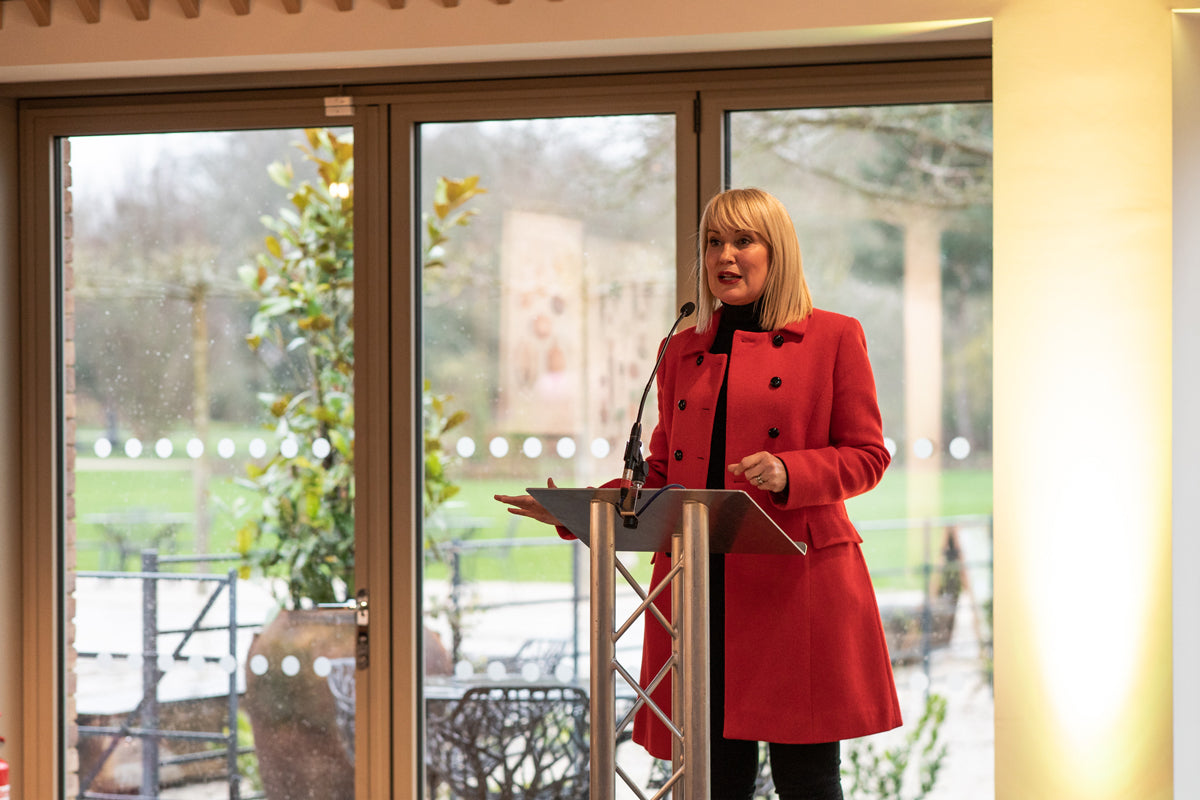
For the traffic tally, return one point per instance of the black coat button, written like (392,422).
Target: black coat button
(699,360)
(773,433)
(776,382)
(679,455)
(777,340)
(682,404)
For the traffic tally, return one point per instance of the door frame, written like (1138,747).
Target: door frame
(388,510)
(43,438)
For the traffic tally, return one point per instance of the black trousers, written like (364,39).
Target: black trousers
(800,771)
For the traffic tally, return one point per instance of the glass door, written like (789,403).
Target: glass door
(548,281)
(893,209)
(207,344)
(191,298)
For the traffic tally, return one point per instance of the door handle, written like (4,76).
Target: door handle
(361,605)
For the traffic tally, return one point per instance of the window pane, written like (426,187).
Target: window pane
(209,466)
(892,205)
(543,308)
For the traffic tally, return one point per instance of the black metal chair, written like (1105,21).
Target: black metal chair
(541,653)
(511,742)
(341,681)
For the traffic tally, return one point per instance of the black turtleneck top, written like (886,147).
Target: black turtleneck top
(733,318)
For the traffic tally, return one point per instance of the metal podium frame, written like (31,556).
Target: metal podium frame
(688,523)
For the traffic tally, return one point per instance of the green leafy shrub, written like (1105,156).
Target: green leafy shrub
(876,775)
(303,528)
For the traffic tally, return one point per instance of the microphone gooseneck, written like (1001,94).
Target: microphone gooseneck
(634,473)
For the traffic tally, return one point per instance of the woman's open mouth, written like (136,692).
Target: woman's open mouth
(728,277)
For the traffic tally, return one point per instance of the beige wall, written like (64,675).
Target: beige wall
(1082,382)
(1083,306)
(1185,546)
(424,31)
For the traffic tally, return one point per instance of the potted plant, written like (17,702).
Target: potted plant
(301,529)
(300,532)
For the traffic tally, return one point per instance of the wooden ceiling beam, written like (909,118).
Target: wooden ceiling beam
(191,8)
(90,9)
(291,6)
(40,10)
(140,9)
(240,7)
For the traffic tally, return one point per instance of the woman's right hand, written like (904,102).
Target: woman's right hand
(524,505)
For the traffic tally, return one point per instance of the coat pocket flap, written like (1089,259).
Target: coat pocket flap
(829,525)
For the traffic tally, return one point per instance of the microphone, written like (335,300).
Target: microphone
(634,474)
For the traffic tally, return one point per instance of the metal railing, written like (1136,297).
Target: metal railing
(943,554)
(143,722)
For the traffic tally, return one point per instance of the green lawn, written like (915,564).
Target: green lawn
(165,490)
(154,498)
(962,492)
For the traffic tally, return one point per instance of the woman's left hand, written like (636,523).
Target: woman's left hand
(525,506)
(763,471)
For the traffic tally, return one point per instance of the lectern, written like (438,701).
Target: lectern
(690,524)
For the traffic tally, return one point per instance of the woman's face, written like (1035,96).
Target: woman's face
(736,264)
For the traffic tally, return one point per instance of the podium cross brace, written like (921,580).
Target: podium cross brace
(690,689)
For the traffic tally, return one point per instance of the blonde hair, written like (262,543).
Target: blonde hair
(785,298)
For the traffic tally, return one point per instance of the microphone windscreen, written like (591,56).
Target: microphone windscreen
(687,309)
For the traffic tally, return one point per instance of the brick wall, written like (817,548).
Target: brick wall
(71,784)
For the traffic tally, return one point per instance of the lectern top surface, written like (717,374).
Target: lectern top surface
(736,523)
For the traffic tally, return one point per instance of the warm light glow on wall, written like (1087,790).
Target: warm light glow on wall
(1083,401)
(1097,566)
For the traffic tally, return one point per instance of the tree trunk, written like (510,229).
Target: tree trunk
(923,359)
(201,464)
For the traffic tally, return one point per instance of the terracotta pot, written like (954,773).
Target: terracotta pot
(301,750)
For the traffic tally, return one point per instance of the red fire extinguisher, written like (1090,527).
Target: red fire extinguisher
(3,776)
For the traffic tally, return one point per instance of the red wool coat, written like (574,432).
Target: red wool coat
(806,658)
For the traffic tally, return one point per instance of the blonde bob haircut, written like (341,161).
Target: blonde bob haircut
(785,298)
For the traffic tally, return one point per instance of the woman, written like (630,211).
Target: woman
(770,395)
